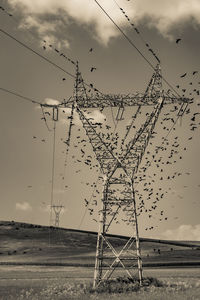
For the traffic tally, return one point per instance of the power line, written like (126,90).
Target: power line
(53,162)
(89,85)
(133,45)
(137,31)
(52,179)
(38,54)
(124,34)
(29,31)
(18,95)
(46,59)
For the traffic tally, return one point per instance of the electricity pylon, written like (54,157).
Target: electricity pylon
(119,170)
(57,210)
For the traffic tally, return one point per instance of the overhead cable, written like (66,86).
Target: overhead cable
(133,45)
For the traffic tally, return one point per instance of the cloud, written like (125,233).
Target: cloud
(184,232)
(167,14)
(51,101)
(163,15)
(95,116)
(24,206)
(45,208)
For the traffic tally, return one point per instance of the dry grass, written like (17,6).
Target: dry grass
(155,290)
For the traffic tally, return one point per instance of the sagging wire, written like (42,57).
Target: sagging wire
(134,46)
(67,142)
(20,96)
(138,32)
(30,32)
(52,179)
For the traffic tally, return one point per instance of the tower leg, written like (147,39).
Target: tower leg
(100,240)
(137,240)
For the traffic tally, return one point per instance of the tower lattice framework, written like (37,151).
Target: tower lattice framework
(119,171)
(57,210)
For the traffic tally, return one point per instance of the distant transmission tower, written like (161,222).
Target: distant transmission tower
(119,171)
(57,210)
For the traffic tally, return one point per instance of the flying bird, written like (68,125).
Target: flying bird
(177,41)
(183,75)
(91,49)
(92,69)
(195,72)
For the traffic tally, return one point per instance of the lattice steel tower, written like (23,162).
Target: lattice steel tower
(119,171)
(57,210)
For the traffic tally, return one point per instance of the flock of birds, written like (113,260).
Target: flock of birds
(150,195)
(152,192)
(112,139)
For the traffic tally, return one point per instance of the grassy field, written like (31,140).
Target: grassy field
(38,263)
(22,243)
(45,283)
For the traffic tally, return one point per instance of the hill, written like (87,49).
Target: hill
(23,243)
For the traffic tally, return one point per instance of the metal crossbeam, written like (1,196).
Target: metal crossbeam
(110,100)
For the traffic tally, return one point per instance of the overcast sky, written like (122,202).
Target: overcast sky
(73,27)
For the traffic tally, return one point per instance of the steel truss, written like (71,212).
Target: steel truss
(118,196)
(119,172)
(57,210)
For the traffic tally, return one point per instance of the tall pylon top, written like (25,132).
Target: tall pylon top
(87,96)
(154,88)
(80,93)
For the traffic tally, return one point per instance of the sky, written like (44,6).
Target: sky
(73,27)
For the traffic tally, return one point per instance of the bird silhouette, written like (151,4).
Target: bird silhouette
(178,41)
(92,69)
(183,75)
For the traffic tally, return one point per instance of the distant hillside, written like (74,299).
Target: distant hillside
(23,243)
